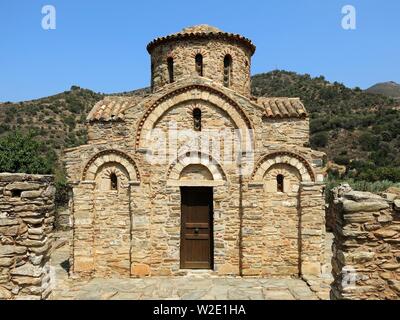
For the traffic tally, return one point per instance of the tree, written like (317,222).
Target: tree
(319,140)
(369,141)
(22,153)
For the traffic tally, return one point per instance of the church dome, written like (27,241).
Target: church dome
(202,31)
(201,28)
(204,51)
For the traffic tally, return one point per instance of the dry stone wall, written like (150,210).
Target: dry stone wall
(26,224)
(366,248)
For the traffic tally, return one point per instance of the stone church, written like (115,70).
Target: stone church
(197,174)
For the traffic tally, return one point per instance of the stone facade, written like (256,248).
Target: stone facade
(366,248)
(126,206)
(26,224)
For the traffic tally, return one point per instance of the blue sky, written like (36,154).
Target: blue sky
(100,45)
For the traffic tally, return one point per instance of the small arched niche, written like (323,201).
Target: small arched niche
(111,177)
(196,172)
(282,178)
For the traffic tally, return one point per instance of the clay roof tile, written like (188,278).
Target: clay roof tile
(201,31)
(282,107)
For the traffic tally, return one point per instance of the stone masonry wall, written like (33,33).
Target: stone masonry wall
(366,248)
(26,224)
(282,233)
(213,52)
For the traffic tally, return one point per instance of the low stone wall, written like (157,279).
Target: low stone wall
(366,247)
(26,224)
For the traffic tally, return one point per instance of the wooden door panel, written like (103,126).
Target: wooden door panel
(197,237)
(196,229)
(197,225)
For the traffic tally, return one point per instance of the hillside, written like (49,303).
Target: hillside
(57,120)
(357,129)
(350,125)
(389,89)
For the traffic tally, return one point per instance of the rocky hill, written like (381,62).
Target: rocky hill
(389,89)
(357,129)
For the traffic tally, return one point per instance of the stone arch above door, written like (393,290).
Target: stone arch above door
(283,157)
(191,163)
(196,172)
(110,156)
(191,93)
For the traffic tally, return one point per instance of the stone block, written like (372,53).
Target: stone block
(5,294)
(8,222)
(7,250)
(83,264)
(385,233)
(359,257)
(6,262)
(311,269)
(368,206)
(228,269)
(28,270)
(23,186)
(31,194)
(397,204)
(140,270)
(10,231)
(27,281)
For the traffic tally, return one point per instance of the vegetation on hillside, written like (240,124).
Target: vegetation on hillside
(357,129)
(58,120)
(33,134)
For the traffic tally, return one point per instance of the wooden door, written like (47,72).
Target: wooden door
(196,228)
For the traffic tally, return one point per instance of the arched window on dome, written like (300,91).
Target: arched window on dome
(170,62)
(227,70)
(197,119)
(280,183)
(199,64)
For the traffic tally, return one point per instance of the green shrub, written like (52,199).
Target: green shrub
(342,160)
(380,173)
(70,122)
(62,188)
(319,140)
(24,153)
(369,141)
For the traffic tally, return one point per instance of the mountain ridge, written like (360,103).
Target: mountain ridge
(388,88)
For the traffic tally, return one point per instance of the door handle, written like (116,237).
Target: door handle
(196,231)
